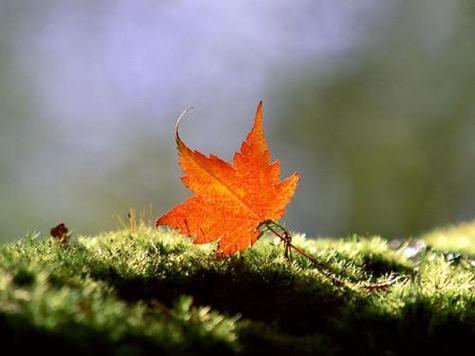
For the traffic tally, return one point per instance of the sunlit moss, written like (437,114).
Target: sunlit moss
(153,291)
(458,238)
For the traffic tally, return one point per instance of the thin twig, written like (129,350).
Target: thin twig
(382,285)
(324,269)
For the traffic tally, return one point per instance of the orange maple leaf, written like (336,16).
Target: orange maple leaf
(230,200)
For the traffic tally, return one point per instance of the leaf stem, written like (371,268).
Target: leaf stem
(324,269)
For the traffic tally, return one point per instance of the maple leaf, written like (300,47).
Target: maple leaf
(230,201)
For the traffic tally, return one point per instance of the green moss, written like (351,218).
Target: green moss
(155,292)
(459,238)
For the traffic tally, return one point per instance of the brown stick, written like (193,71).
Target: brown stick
(323,268)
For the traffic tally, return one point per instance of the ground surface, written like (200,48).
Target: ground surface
(151,292)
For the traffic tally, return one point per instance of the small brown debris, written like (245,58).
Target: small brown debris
(61,233)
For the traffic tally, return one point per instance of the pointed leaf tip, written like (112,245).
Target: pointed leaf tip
(259,113)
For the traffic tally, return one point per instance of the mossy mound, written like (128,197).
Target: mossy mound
(154,292)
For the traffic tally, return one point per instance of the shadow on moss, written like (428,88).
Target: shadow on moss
(129,286)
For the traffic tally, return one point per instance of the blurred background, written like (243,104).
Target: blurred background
(372,101)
